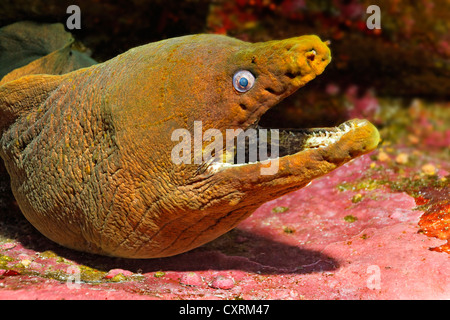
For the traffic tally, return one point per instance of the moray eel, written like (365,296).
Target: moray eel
(89,151)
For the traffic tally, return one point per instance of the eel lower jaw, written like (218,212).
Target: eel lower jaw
(311,147)
(365,136)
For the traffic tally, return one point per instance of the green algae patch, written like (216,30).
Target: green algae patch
(414,186)
(88,274)
(5,258)
(389,169)
(288,230)
(119,278)
(350,219)
(280,209)
(159,274)
(357,198)
(366,184)
(48,254)
(82,273)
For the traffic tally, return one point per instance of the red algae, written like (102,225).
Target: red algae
(435,222)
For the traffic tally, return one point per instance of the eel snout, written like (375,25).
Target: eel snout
(305,58)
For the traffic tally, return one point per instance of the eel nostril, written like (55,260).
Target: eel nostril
(243,106)
(291,75)
(270,90)
(311,55)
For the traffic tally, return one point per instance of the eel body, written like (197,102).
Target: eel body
(90,152)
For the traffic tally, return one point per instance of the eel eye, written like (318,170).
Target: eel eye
(243,80)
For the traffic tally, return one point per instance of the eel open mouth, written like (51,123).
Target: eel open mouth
(278,143)
(319,149)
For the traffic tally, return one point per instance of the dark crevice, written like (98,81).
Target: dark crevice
(291,75)
(270,90)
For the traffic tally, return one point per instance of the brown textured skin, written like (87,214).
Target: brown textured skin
(28,47)
(89,152)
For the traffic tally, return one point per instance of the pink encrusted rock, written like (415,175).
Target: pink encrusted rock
(191,279)
(222,282)
(114,272)
(7,246)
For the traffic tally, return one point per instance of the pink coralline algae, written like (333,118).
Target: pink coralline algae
(365,105)
(222,282)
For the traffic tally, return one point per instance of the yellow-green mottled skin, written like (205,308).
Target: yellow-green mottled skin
(89,152)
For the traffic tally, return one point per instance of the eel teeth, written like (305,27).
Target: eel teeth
(323,138)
